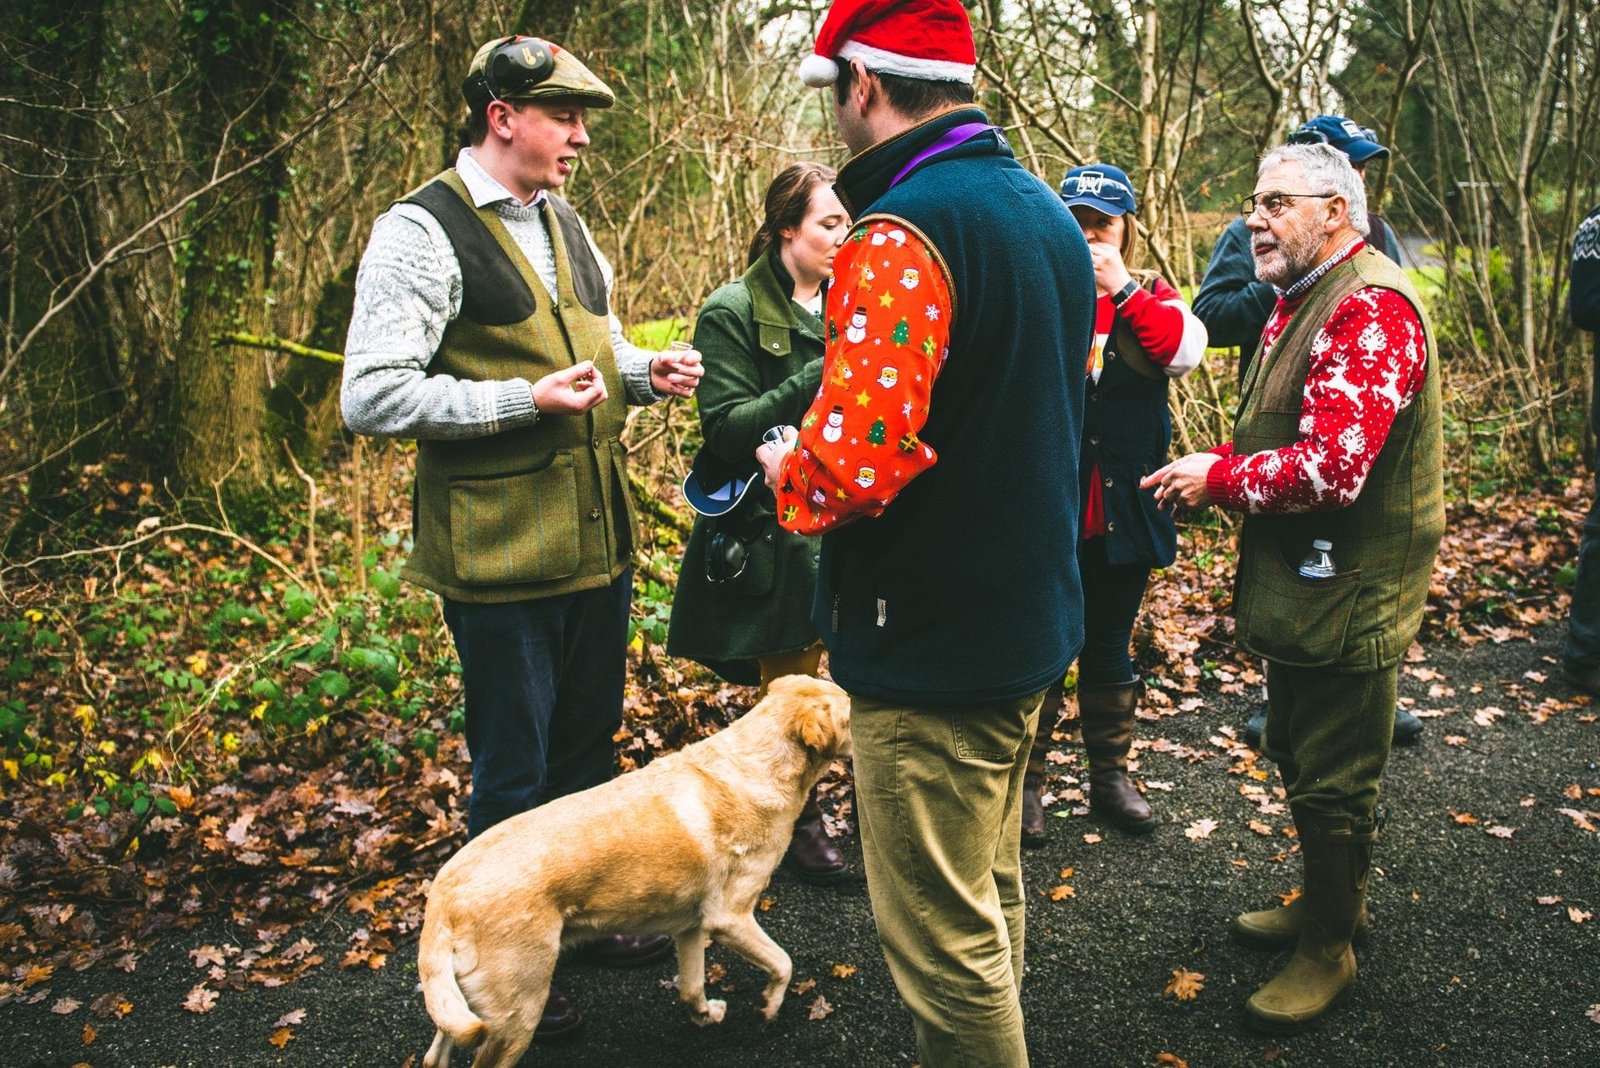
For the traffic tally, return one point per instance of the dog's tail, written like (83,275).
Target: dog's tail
(440,992)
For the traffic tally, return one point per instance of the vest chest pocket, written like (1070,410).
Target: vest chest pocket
(522,526)
(1291,619)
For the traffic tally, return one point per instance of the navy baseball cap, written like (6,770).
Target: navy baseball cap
(1100,186)
(1359,143)
(714,487)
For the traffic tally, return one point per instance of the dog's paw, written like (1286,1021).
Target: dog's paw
(714,1012)
(769,1008)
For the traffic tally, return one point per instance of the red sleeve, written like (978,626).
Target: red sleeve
(888,332)
(1368,362)
(1157,324)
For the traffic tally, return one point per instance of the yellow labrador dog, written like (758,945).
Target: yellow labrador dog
(684,846)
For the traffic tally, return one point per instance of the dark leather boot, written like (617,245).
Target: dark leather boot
(1033,835)
(1106,713)
(624,951)
(561,1019)
(812,856)
(1337,852)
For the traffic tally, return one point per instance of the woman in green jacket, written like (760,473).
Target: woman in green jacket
(747,615)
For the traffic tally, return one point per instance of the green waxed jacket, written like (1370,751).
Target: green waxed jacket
(540,510)
(1384,543)
(763,363)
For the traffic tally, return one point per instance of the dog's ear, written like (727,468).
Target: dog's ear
(811,705)
(813,724)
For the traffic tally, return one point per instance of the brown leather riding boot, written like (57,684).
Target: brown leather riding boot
(1338,854)
(1033,835)
(1106,713)
(812,855)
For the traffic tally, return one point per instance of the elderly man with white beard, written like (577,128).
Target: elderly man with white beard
(1336,464)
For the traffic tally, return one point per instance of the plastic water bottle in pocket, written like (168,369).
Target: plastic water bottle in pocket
(1318,564)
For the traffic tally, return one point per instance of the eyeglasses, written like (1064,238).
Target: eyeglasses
(1274,204)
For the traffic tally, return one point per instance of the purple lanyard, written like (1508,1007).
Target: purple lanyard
(952,137)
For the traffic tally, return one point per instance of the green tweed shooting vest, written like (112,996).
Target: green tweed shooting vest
(540,510)
(1384,543)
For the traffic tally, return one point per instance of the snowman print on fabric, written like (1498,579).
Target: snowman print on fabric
(833,430)
(856,332)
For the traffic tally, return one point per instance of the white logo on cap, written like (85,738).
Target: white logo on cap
(1352,130)
(1089,183)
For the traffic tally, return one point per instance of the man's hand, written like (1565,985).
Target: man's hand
(676,371)
(770,455)
(1110,273)
(1182,482)
(575,389)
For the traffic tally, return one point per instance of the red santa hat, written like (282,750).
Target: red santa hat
(927,39)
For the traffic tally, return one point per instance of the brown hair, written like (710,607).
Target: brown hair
(912,97)
(788,198)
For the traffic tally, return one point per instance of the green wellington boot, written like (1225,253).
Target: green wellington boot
(1106,713)
(1279,928)
(1337,853)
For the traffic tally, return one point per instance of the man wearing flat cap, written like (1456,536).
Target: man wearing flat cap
(483,329)
(940,465)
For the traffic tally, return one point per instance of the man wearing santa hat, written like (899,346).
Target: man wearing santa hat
(948,591)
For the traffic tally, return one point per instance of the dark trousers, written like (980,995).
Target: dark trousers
(1111,599)
(1583,623)
(543,682)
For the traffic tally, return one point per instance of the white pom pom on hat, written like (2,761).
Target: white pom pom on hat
(818,71)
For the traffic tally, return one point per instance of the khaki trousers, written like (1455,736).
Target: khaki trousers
(938,792)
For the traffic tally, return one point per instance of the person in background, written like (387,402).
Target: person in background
(761,341)
(1145,336)
(1580,660)
(483,328)
(1235,305)
(1336,464)
(940,466)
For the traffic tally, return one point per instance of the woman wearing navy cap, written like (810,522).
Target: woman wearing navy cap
(1145,335)
(743,602)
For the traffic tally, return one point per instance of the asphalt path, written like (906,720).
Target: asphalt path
(1480,953)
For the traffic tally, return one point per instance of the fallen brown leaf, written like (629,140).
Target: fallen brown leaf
(66,1006)
(819,1009)
(291,1019)
(1185,985)
(1171,1060)
(1577,915)
(1498,831)
(281,1037)
(1200,829)
(843,971)
(200,999)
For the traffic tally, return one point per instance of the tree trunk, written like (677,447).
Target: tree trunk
(245,70)
(68,375)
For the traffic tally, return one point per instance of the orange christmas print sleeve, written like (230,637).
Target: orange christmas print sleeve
(888,333)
